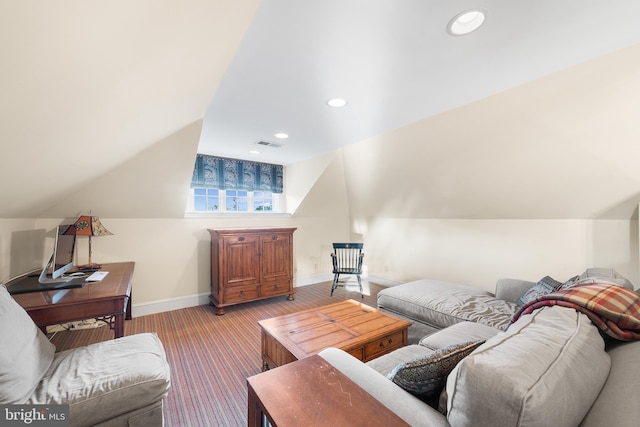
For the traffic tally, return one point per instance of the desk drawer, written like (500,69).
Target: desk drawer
(384,345)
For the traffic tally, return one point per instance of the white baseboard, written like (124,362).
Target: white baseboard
(311,280)
(160,306)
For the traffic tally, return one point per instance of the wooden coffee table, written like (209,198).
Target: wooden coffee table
(313,392)
(361,330)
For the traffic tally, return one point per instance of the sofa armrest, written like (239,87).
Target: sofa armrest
(512,289)
(405,405)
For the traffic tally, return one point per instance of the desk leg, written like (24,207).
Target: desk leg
(128,310)
(118,325)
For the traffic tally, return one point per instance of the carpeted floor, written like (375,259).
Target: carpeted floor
(212,356)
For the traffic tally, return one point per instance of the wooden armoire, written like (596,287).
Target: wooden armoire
(250,264)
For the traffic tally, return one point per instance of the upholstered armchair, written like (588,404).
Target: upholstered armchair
(120,382)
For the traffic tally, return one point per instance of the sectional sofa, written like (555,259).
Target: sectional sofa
(506,359)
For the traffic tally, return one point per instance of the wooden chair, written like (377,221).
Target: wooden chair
(347,259)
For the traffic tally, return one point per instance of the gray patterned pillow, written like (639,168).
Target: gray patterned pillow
(544,286)
(426,375)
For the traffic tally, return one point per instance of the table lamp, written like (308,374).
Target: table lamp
(87,225)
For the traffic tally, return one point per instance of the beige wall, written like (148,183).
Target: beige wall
(478,252)
(21,247)
(172,255)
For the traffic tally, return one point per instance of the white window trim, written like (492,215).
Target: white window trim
(252,214)
(277,201)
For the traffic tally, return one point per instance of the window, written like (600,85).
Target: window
(236,200)
(231,185)
(214,200)
(206,199)
(262,201)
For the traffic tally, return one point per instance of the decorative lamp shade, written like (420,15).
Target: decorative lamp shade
(88,226)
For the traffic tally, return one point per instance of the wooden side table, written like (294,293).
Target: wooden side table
(311,392)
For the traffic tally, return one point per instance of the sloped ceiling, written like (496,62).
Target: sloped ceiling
(395,64)
(93,91)
(86,85)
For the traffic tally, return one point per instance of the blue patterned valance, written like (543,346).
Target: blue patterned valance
(232,174)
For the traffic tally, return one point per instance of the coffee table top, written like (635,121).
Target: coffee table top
(313,392)
(344,325)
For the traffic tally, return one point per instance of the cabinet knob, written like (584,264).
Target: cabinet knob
(241,239)
(274,237)
(241,293)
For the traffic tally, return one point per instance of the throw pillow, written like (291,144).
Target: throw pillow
(426,375)
(544,286)
(25,355)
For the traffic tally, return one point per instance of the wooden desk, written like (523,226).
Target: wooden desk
(108,300)
(311,392)
(361,330)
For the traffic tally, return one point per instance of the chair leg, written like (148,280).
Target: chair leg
(360,284)
(335,283)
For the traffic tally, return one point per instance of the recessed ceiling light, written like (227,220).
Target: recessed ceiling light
(281,135)
(336,102)
(466,22)
(254,152)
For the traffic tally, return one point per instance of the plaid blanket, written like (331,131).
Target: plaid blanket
(612,308)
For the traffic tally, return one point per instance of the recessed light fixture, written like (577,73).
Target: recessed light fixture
(466,22)
(254,152)
(336,102)
(281,135)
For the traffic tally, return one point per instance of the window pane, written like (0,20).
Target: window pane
(212,203)
(199,191)
(199,203)
(232,204)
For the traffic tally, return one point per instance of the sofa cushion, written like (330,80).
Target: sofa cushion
(460,332)
(426,375)
(603,275)
(104,380)
(25,354)
(546,369)
(512,289)
(442,304)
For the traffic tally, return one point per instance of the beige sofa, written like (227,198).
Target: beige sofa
(550,367)
(118,382)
